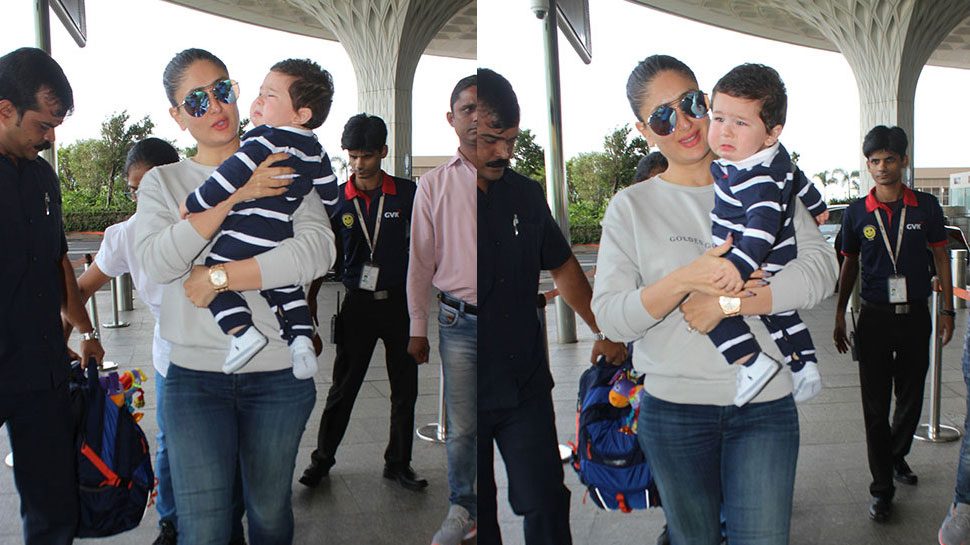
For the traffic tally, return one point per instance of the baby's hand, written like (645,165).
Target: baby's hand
(727,278)
(183,211)
(822,218)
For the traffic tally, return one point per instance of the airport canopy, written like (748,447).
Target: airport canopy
(773,19)
(457,39)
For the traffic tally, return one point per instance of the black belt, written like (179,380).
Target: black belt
(458,304)
(894,308)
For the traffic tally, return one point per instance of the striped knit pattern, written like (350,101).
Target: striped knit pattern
(751,203)
(255,226)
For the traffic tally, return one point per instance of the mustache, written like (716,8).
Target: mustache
(44,146)
(498,163)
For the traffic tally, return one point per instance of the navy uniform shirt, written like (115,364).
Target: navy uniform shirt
(517,238)
(393,240)
(861,233)
(33,355)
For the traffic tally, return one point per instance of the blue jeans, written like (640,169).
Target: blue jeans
(963,470)
(458,345)
(215,421)
(703,453)
(165,501)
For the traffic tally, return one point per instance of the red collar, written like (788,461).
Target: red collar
(350,190)
(909,199)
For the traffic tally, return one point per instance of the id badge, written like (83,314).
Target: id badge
(897,288)
(368,277)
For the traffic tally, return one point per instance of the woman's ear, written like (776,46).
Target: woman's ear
(645,131)
(176,114)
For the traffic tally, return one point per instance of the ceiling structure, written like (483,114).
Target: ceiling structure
(770,19)
(457,39)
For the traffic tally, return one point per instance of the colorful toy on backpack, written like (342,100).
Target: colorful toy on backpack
(627,391)
(125,390)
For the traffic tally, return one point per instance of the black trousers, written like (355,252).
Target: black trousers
(526,437)
(40,425)
(893,358)
(361,322)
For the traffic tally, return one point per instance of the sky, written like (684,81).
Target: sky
(130,41)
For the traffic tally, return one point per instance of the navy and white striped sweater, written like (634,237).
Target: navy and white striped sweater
(312,170)
(751,199)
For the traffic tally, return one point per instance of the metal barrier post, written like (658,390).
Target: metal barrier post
(436,432)
(935,432)
(92,305)
(958,271)
(125,295)
(115,295)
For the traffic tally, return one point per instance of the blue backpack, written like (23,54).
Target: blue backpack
(115,477)
(609,461)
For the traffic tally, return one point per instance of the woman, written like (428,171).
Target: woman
(255,417)
(653,287)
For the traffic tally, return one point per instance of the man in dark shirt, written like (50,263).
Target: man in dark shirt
(518,238)
(891,229)
(372,219)
(36,282)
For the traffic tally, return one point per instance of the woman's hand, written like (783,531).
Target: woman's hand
(266,180)
(698,274)
(198,288)
(702,312)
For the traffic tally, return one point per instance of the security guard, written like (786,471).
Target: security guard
(517,237)
(372,216)
(892,228)
(36,283)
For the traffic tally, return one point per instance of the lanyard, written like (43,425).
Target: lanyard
(377,225)
(899,238)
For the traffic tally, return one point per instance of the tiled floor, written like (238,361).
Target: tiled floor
(831,489)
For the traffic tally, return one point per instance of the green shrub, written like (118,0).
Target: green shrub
(93,220)
(584,222)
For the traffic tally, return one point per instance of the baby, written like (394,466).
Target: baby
(294,99)
(755,186)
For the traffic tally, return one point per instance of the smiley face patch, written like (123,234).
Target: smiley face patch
(348,220)
(869,232)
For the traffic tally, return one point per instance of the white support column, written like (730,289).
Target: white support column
(385,40)
(886,43)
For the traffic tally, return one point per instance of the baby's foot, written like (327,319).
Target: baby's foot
(753,376)
(242,348)
(807,383)
(303,357)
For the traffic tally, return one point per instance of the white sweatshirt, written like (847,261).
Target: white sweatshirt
(654,227)
(168,247)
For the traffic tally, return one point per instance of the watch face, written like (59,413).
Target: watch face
(730,305)
(218,277)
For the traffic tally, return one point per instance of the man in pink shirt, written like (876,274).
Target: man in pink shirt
(444,252)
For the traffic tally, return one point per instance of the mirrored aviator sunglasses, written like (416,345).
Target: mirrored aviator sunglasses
(196,103)
(663,120)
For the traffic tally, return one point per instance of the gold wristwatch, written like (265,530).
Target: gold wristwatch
(218,278)
(730,306)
